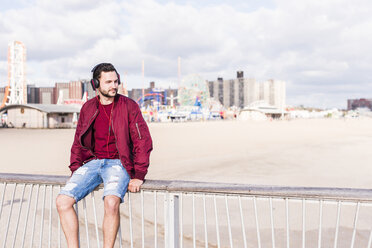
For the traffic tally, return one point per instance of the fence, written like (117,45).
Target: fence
(191,214)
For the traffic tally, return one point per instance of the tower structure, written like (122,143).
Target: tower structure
(17,73)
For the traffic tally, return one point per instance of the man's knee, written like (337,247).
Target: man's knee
(64,202)
(112,204)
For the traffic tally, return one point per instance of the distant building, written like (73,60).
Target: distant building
(47,95)
(33,94)
(359,103)
(232,92)
(65,92)
(75,90)
(61,92)
(41,115)
(87,87)
(261,110)
(241,92)
(276,92)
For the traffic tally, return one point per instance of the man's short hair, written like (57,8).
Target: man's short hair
(106,67)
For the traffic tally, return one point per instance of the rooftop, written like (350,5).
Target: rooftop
(47,108)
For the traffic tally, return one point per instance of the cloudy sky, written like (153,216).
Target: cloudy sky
(322,49)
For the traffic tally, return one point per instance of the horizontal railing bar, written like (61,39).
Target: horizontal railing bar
(33,179)
(330,201)
(343,194)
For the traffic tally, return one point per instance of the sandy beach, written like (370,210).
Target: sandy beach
(319,152)
(316,153)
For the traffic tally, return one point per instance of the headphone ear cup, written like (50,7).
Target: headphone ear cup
(92,83)
(95,83)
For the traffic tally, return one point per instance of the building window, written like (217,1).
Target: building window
(241,93)
(220,91)
(63,119)
(232,92)
(211,90)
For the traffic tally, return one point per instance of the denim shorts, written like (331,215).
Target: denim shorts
(85,179)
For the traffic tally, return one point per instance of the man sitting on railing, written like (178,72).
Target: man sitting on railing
(112,145)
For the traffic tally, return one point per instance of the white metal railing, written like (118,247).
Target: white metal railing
(191,214)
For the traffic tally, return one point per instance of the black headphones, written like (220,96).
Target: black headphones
(95,82)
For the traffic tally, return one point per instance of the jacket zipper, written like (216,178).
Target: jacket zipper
(139,134)
(90,123)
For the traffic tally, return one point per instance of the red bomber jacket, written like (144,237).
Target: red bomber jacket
(133,140)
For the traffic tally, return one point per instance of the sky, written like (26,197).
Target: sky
(320,48)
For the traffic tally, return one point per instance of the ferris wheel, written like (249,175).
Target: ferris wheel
(193,88)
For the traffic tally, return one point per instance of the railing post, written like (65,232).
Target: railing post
(172,223)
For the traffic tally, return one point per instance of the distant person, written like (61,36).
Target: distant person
(112,145)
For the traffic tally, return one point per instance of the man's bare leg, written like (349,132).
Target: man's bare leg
(68,219)
(111,220)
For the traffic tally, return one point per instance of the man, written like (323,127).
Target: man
(112,145)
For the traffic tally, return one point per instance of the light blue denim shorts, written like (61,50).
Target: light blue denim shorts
(85,179)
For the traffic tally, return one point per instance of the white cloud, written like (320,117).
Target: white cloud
(321,47)
(69,5)
(49,35)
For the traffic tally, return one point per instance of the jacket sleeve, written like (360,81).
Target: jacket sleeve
(75,158)
(141,140)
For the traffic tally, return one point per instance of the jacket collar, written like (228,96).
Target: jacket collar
(97,100)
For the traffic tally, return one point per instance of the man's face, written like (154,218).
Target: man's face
(108,84)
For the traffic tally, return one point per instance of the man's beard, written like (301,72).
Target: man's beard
(107,93)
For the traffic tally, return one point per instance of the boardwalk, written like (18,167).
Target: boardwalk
(192,214)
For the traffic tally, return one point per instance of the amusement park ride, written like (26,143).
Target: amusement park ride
(16,90)
(155,96)
(192,96)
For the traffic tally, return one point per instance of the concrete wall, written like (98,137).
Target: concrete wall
(251,89)
(26,117)
(265,92)
(60,120)
(32,118)
(279,94)
(47,95)
(226,93)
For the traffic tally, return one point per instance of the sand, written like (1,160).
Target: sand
(317,153)
(320,152)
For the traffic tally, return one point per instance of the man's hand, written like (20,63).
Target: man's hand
(135,185)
